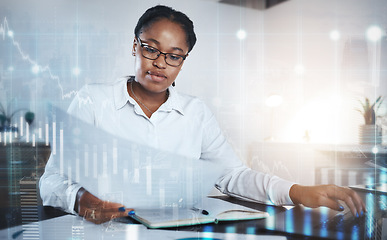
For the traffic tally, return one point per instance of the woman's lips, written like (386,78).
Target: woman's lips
(156,76)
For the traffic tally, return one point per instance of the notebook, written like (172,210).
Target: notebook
(209,210)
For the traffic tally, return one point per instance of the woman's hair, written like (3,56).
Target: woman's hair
(159,12)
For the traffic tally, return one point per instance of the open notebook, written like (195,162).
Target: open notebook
(210,210)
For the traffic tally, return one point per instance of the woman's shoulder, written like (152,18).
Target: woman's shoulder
(102,88)
(187,100)
(194,105)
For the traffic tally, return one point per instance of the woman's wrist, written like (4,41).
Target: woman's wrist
(80,193)
(295,193)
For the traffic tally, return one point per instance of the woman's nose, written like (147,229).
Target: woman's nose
(159,62)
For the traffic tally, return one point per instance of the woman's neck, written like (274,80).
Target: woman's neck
(147,100)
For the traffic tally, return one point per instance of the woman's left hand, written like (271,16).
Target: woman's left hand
(328,196)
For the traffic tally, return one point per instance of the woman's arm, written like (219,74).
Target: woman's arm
(241,181)
(55,188)
(58,191)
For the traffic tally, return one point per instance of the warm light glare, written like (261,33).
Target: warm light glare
(241,34)
(317,122)
(334,35)
(274,100)
(374,33)
(10,33)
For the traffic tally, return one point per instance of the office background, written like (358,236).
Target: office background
(314,54)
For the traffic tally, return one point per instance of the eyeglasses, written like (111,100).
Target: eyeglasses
(152,53)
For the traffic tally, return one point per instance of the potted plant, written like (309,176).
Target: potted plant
(6,119)
(370,132)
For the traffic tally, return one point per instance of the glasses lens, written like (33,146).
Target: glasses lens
(150,52)
(173,59)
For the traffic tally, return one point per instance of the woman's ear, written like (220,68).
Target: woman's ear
(134,46)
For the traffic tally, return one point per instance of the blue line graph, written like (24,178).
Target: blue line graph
(36,67)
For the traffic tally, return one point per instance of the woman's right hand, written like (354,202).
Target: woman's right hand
(97,211)
(328,196)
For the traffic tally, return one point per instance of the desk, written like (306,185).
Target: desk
(12,217)
(72,227)
(294,224)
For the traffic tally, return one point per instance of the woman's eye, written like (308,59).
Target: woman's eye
(174,57)
(150,49)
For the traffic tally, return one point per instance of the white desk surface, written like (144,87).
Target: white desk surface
(75,228)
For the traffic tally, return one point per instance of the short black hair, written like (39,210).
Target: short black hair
(158,12)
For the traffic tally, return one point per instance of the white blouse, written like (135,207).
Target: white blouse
(183,125)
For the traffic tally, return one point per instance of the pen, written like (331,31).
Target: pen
(17,234)
(202,211)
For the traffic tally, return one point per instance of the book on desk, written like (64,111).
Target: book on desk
(210,210)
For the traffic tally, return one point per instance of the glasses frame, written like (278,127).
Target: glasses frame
(142,45)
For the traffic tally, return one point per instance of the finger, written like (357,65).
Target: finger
(122,213)
(108,216)
(113,207)
(117,213)
(116,209)
(364,206)
(105,211)
(112,212)
(359,204)
(344,195)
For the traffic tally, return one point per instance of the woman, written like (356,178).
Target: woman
(147,109)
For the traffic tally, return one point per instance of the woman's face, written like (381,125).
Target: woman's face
(168,37)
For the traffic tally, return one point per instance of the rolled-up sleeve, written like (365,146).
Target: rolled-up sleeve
(57,190)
